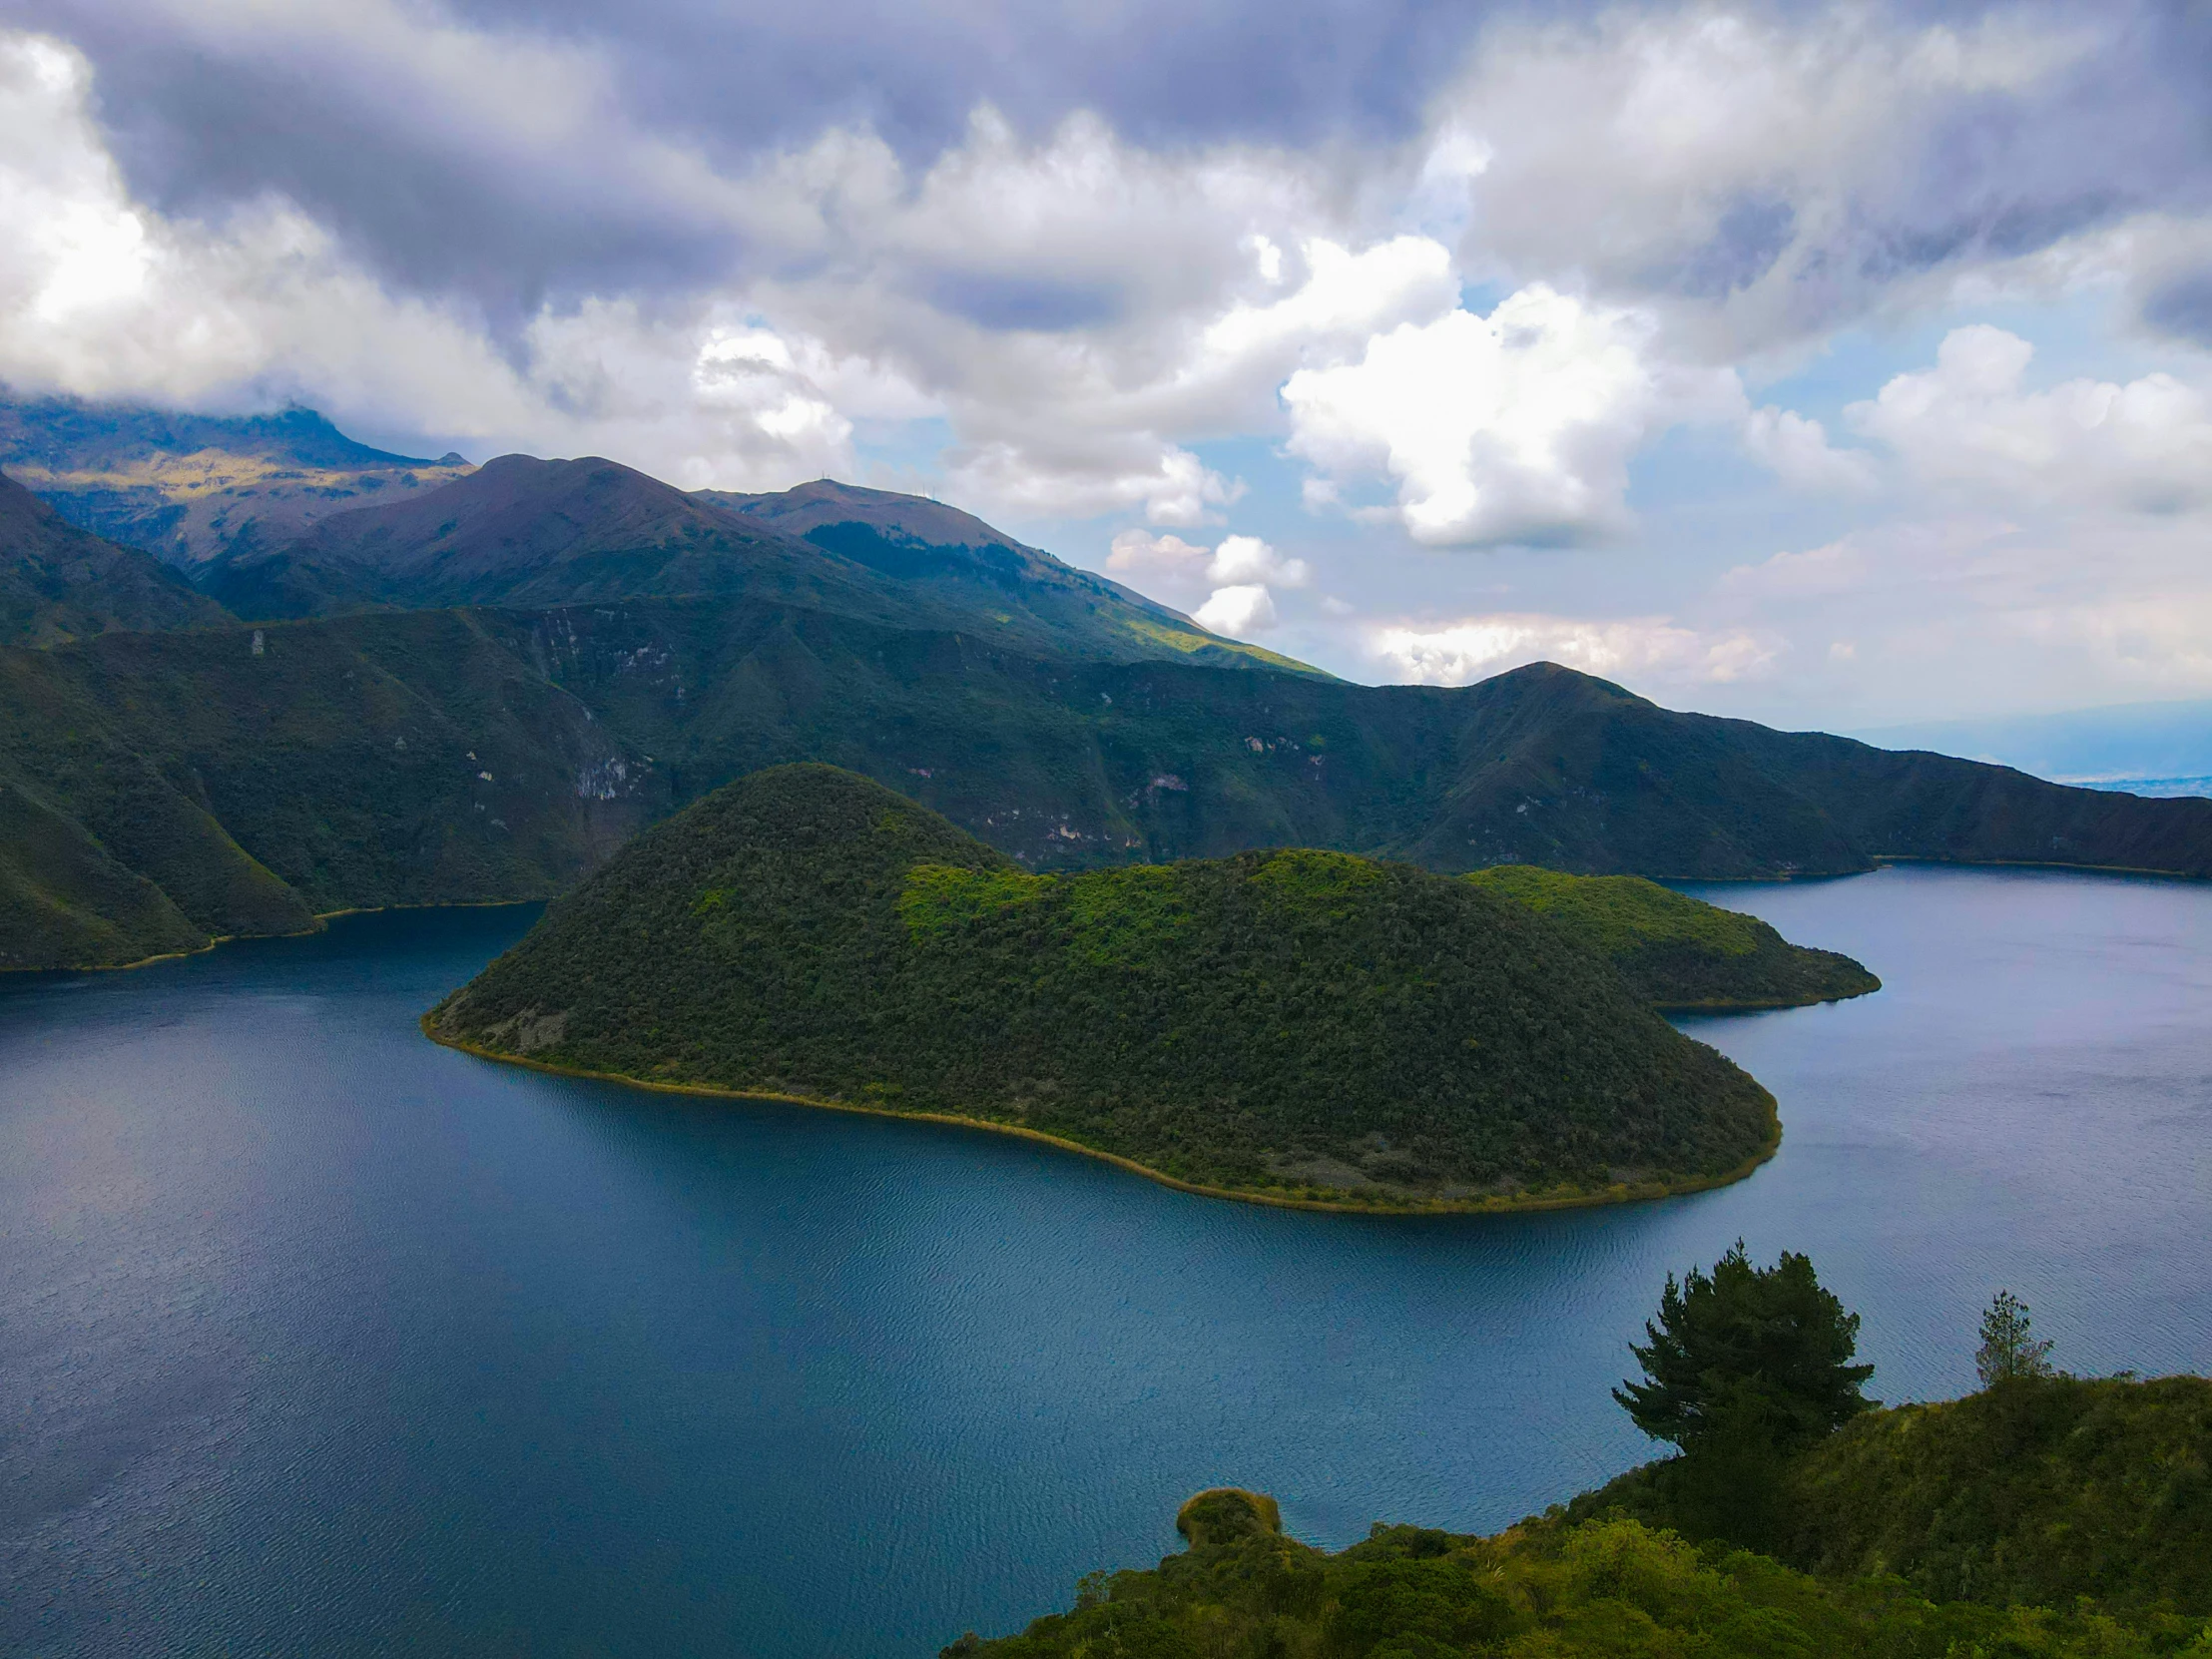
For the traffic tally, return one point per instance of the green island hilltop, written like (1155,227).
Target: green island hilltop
(1289,1026)
(1679,952)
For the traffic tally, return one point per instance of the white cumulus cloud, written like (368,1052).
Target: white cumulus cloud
(1796,449)
(1238,576)
(1516,428)
(1972,422)
(1239,612)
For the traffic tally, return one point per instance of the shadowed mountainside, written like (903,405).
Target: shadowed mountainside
(59,582)
(1063,761)
(1296,1026)
(197,785)
(939,552)
(187,487)
(525,532)
(619,711)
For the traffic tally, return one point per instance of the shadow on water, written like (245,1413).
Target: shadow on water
(336,1341)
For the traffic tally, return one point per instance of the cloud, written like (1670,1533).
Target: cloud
(1248,559)
(101,296)
(1236,577)
(1239,612)
(1971,424)
(1763,175)
(1647,648)
(1797,451)
(1515,427)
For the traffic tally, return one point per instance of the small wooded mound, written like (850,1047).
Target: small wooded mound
(1298,1027)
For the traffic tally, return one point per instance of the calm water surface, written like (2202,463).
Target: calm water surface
(316,1338)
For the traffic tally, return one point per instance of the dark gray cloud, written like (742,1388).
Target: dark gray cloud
(197,129)
(434,200)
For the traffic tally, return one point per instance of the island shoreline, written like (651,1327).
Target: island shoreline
(1624,1193)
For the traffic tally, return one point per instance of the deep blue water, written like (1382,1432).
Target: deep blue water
(317,1337)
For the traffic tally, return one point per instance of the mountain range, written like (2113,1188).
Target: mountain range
(476,689)
(188,487)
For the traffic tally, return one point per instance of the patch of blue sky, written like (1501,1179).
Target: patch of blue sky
(903,454)
(2085,334)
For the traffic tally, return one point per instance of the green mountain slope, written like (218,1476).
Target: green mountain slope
(2039,1490)
(59,582)
(939,552)
(259,777)
(63,899)
(531,533)
(522,531)
(1064,763)
(188,487)
(1680,951)
(1288,1025)
(1061,763)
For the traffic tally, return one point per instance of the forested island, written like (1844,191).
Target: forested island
(2045,1516)
(1293,1026)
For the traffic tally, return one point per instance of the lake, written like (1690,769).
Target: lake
(317,1337)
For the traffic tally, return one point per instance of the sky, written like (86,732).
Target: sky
(1829,365)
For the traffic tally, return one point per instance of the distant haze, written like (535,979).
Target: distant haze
(2165,745)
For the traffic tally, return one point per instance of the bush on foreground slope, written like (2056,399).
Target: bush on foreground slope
(1294,1025)
(2045,1517)
(1611,1587)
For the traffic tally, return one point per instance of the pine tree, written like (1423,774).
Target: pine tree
(2007,1351)
(1747,1355)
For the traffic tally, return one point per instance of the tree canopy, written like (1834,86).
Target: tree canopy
(2008,1350)
(1747,1352)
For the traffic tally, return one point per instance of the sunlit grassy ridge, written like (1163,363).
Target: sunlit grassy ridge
(2053,1519)
(1299,1025)
(1680,951)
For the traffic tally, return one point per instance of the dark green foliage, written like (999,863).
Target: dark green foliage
(2038,1490)
(1063,762)
(1300,1023)
(329,768)
(1680,951)
(2035,1490)
(1611,1588)
(2008,1352)
(1070,761)
(64,899)
(1746,1350)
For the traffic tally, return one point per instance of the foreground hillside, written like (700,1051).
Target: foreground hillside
(1679,952)
(2041,1517)
(2038,1490)
(1303,1027)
